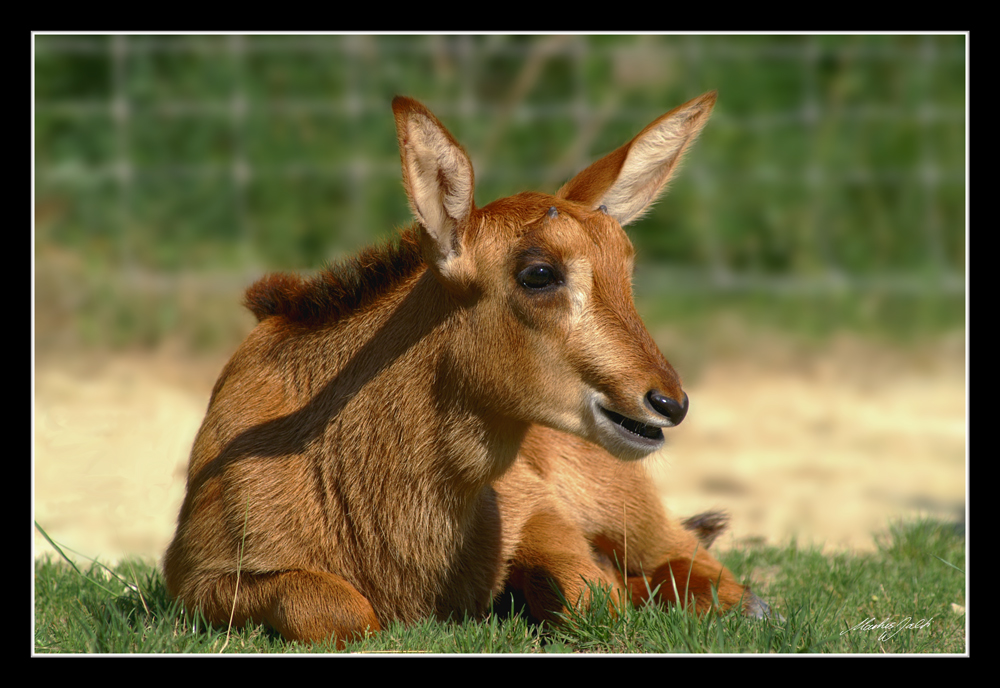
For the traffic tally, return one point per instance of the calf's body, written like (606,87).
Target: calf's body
(410,431)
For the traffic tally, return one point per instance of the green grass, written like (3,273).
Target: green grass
(915,577)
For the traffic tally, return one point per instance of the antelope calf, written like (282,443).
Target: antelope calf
(410,431)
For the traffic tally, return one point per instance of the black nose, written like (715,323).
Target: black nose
(667,407)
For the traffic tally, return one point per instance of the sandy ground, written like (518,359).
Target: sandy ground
(826,448)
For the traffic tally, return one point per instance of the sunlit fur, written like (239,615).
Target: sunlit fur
(410,431)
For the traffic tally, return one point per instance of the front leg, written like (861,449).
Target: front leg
(697,577)
(553,555)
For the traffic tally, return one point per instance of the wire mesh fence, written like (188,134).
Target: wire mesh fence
(830,163)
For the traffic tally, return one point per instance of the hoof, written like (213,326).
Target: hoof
(759,609)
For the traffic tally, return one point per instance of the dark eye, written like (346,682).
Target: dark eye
(538,276)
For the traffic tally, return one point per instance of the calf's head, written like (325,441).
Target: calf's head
(551,332)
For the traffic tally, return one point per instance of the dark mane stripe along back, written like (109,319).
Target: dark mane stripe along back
(340,288)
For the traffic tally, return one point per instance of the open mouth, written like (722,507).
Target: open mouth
(634,427)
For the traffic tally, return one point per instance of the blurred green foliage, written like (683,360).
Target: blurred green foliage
(827,156)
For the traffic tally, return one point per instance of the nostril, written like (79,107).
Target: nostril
(667,407)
